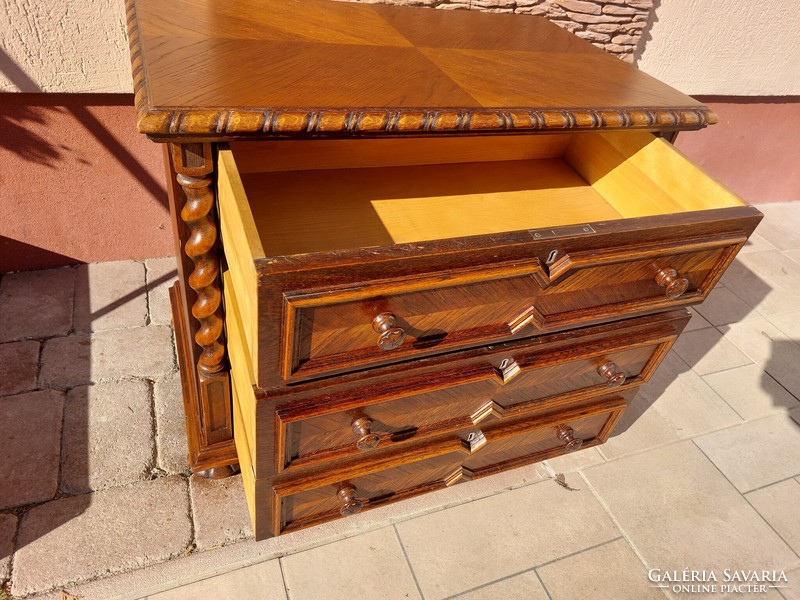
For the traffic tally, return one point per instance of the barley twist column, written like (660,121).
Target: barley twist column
(200,247)
(194,166)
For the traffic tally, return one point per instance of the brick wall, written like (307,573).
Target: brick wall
(613,25)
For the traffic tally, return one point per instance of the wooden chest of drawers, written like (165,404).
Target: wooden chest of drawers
(400,271)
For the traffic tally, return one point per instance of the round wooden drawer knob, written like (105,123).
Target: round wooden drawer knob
(367,440)
(612,373)
(567,435)
(391,337)
(350,504)
(674,285)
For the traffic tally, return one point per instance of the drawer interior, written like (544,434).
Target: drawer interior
(295,197)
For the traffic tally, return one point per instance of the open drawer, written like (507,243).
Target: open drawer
(348,254)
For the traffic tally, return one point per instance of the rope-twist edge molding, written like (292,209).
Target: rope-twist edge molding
(408,120)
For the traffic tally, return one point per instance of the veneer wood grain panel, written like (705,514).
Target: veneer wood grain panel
(280,67)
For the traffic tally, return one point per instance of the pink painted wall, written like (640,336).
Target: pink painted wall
(754,150)
(77,182)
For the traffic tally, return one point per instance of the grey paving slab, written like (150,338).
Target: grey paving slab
(173,450)
(751,392)
(676,403)
(110,295)
(36,304)
(778,504)
(525,586)
(8,529)
(756,243)
(685,400)
(791,589)
(77,538)
(611,571)
(262,581)
(722,306)
(29,454)
(161,273)
(788,323)
(756,453)
(502,535)
(641,427)
(19,365)
(108,436)
(370,565)
(770,348)
(756,290)
(774,267)
(697,321)
(677,510)
(753,285)
(793,254)
(573,461)
(707,351)
(220,510)
(781,224)
(107,355)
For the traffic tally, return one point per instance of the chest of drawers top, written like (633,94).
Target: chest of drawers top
(263,68)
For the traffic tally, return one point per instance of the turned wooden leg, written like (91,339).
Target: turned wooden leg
(197,311)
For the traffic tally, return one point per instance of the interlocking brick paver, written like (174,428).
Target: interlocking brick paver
(8,527)
(108,436)
(19,362)
(107,355)
(220,511)
(80,537)
(171,443)
(110,295)
(36,304)
(31,446)
(161,273)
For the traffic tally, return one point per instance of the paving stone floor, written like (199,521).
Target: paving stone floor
(702,473)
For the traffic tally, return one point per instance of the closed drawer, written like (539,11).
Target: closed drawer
(372,415)
(341,268)
(501,386)
(361,485)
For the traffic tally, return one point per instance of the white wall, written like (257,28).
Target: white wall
(66,46)
(726,47)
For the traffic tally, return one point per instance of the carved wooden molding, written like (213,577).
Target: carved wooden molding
(193,164)
(227,122)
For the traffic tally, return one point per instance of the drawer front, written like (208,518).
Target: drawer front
(500,387)
(604,283)
(339,330)
(471,454)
